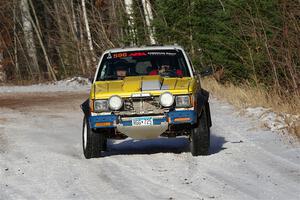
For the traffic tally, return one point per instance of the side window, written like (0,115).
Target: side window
(191,64)
(103,71)
(182,65)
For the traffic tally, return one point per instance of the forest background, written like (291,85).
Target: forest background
(248,44)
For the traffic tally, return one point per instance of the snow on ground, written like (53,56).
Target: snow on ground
(41,158)
(72,84)
(277,122)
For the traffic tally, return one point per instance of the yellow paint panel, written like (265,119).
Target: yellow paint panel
(176,83)
(130,85)
(101,86)
(193,86)
(169,83)
(152,78)
(115,86)
(182,84)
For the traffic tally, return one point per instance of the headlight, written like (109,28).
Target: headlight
(166,99)
(100,105)
(183,101)
(115,102)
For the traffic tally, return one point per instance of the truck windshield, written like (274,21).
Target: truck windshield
(166,63)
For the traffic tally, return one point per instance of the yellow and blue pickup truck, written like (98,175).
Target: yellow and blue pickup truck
(144,93)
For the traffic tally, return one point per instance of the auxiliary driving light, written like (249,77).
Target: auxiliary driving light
(115,102)
(166,99)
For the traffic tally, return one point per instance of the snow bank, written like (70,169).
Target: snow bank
(276,122)
(72,84)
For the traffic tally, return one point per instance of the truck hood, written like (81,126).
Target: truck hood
(155,85)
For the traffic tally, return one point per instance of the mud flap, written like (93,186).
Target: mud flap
(202,99)
(202,103)
(85,107)
(207,108)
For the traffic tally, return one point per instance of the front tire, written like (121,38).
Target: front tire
(200,136)
(93,143)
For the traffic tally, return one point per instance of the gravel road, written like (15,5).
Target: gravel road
(41,157)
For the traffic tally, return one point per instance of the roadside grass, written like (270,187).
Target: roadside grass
(245,96)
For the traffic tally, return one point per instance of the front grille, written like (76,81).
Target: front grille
(139,106)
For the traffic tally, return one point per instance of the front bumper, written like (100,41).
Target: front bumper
(173,117)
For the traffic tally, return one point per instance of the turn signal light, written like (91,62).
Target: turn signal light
(92,105)
(182,119)
(103,124)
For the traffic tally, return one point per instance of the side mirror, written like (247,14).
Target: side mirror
(206,72)
(91,80)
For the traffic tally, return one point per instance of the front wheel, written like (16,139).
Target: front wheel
(92,143)
(200,136)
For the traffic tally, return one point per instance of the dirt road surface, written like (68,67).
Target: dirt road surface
(41,157)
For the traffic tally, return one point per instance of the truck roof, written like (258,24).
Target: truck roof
(143,48)
(146,48)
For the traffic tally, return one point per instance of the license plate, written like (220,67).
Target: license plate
(142,121)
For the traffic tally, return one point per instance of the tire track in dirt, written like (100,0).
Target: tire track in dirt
(19,101)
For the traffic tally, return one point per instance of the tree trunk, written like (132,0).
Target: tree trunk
(129,12)
(149,17)
(2,72)
(74,20)
(88,32)
(18,75)
(87,61)
(191,38)
(29,37)
(61,49)
(37,29)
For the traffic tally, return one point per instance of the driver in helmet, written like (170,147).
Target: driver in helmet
(165,68)
(121,70)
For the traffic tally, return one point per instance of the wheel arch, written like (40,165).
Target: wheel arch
(202,103)
(85,107)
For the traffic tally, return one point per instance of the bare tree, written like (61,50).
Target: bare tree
(37,29)
(15,40)
(2,72)
(129,12)
(88,32)
(149,17)
(29,36)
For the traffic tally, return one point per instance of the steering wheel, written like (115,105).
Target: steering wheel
(168,73)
